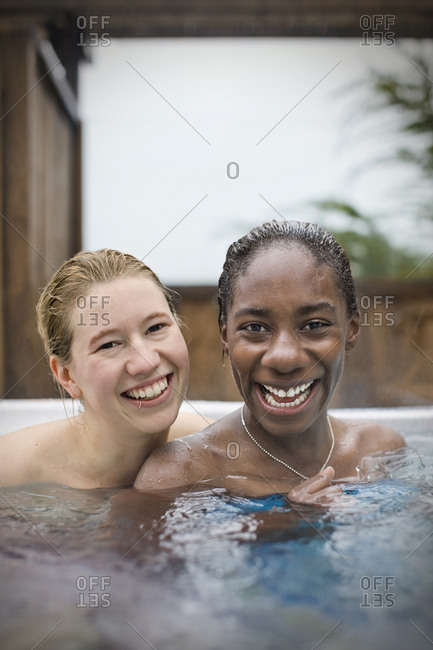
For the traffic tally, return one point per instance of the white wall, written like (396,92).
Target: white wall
(164,117)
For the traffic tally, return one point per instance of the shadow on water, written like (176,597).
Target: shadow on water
(88,569)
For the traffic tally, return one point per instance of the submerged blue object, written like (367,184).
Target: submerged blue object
(350,490)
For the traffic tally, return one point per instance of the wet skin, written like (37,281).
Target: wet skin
(129,366)
(287,327)
(287,334)
(125,339)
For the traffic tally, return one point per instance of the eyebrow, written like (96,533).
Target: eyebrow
(252,311)
(101,334)
(316,306)
(114,331)
(305,310)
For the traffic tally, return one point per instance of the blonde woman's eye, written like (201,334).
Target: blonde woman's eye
(156,328)
(107,346)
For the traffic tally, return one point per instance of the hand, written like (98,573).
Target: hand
(318,490)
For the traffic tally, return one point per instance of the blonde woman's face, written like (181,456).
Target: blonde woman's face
(129,359)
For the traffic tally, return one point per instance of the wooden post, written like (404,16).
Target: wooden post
(39,205)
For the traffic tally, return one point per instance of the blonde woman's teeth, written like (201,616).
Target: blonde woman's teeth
(300,392)
(148,392)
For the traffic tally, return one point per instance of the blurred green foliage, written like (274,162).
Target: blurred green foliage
(371,253)
(411,102)
(414,102)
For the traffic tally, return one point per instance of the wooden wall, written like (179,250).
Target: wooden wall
(391,366)
(39,200)
(40,181)
(174,18)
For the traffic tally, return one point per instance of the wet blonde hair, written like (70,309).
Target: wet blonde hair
(74,279)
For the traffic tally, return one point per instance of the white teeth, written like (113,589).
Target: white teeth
(149,392)
(292,392)
(296,402)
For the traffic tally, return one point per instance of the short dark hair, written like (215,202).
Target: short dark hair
(320,243)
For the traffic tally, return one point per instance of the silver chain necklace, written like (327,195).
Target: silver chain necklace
(282,461)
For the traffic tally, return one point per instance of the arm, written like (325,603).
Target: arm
(187,461)
(175,464)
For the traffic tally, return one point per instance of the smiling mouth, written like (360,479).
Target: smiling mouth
(148,392)
(286,398)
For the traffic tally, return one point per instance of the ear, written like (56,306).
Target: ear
(223,335)
(353,332)
(64,377)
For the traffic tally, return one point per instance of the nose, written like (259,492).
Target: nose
(142,358)
(285,353)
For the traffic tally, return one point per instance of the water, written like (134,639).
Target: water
(102,569)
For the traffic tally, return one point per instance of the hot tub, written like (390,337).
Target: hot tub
(207,569)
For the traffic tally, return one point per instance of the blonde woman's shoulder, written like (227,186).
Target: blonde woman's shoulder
(25,453)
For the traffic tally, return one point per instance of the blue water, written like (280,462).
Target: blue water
(209,570)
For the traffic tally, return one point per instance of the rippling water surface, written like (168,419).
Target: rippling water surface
(87,569)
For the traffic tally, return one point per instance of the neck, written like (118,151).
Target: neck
(104,460)
(306,452)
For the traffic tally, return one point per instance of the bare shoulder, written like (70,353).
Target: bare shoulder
(24,453)
(370,437)
(187,460)
(178,462)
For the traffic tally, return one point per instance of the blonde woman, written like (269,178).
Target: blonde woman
(113,340)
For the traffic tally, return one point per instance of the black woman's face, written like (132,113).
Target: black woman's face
(286,334)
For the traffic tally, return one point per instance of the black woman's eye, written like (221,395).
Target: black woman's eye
(254,327)
(315,325)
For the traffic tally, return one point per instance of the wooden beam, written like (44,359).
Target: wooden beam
(185,18)
(57,75)
(40,205)
(18,77)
